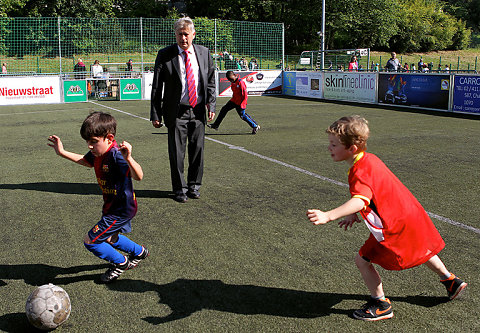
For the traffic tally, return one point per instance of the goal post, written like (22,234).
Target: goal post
(334,59)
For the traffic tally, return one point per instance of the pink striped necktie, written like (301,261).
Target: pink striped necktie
(192,90)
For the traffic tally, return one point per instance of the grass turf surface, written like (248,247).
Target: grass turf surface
(243,258)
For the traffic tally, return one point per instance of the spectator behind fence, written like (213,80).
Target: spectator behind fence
(129,68)
(353,64)
(447,69)
(79,68)
(4,68)
(393,64)
(97,69)
(405,67)
(253,64)
(412,68)
(420,64)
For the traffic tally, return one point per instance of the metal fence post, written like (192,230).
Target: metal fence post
(283,47)
(141,43)
(59,44)
(215,38)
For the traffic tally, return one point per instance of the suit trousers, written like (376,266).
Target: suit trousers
(188,128)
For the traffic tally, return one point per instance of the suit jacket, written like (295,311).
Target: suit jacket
(167,77)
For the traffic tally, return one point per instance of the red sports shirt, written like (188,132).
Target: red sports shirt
(402,234)
(239,90)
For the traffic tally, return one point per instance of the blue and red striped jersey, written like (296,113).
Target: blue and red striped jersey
(113,177)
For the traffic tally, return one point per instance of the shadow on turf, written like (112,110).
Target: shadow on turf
(39,274)
(185,297)
(78,188)
(16,322)
(212,134)
(226,134)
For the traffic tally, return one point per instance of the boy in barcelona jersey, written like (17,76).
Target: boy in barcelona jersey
(114,168)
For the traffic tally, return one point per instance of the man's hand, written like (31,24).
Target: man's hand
(157,123)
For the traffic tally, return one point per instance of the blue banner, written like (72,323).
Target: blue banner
(466,94)
(427,90)
(289,83)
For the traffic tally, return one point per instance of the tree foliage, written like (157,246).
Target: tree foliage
(65,8)
(402,25)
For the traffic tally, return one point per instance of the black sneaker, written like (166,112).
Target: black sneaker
(212,127)
(135,260)
(115,271)
(374,309)
(255,129)
(454,286)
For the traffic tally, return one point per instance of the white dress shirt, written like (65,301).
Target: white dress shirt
(183,74)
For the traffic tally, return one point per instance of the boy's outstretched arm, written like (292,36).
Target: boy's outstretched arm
(350,207)
(57,144)
(135,168)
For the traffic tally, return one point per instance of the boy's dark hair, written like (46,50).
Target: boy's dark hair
(229,74)
(98,124)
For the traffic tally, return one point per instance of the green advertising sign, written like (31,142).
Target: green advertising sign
(130,89)
(75,91)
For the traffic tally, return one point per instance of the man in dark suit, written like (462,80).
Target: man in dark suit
(185,73)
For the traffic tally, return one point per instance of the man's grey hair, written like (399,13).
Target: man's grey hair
(184,22)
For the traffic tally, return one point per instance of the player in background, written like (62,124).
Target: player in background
(401,233)
(238,102)
(114,168)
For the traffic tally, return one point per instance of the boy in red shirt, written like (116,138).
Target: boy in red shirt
(238,102)
(401,233)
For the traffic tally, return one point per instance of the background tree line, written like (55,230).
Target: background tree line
(401,25)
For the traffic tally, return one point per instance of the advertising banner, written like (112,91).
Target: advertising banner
(75,91)
(289,84)
(349,86)
(309,84)
(466,94)
(147,89)
(30,90)
(130,89)
(427,90)
(258,83)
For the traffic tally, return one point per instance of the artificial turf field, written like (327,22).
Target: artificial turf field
(243,258)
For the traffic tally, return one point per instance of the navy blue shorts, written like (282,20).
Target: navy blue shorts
(107,226)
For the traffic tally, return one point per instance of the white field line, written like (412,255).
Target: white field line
(44,111)
(309,173)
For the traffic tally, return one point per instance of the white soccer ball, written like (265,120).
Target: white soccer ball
(47,307)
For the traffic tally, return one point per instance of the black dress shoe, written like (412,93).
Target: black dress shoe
(193,194)
(182,198)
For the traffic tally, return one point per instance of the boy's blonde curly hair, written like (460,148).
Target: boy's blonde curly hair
(352,130)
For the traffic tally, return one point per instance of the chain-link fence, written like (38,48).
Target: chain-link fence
(52,45)
(410,63)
